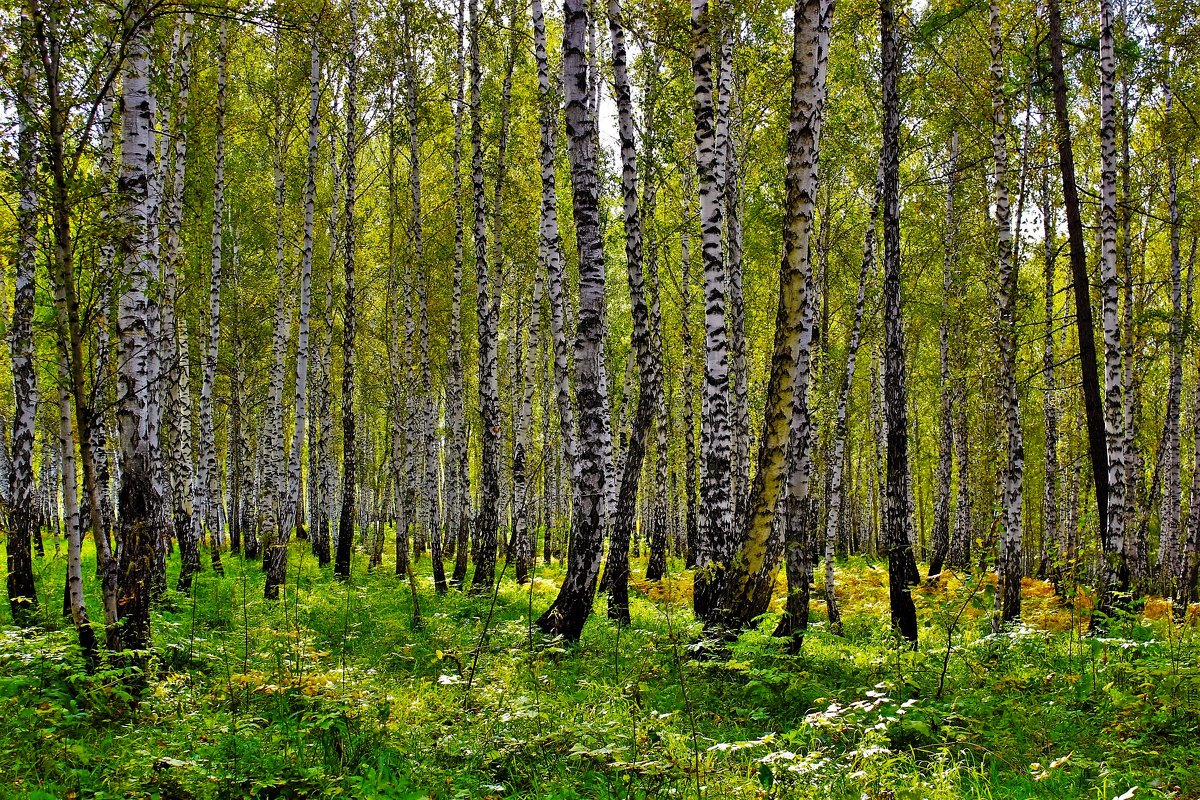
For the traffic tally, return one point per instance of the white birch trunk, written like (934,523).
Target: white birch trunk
(137,331)
(1114,575)
(1009,567)
(206,474)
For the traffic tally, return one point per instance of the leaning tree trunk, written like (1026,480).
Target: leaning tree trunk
(22,592)
(1114,577)
(137,332)
(1089,379)
(945,465)
(896,510)
(715,546)
(1009,566)
(754,568)
(62,272)
(570,610)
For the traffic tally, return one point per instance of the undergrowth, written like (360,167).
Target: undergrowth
(334,692)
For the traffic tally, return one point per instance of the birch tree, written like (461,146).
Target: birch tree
(22,592)
(275,457)
(458,472)
(649,373)
(841,423)
(550,244)
(1172,490)
(896,508)
(945,465)
(755,564)
(571,608)
(487,310)
(1051,533)
(345,538)
(716,540)
(1115,578)
(137,332)
(1010,567)
(292,500)
(205,486)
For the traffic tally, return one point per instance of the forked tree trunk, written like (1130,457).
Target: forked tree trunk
(649,373)
(754,567)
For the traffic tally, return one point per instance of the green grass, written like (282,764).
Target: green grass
(331,692)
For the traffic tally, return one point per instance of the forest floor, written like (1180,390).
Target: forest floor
(332,692)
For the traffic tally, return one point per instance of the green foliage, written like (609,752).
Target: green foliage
(331,693)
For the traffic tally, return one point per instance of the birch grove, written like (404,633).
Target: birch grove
(302,281)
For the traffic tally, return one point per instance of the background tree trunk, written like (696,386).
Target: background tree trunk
(345,540)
